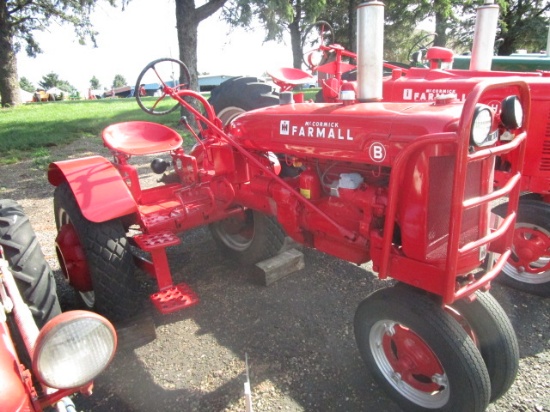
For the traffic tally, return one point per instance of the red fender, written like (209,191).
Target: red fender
(13,392)
(98,188)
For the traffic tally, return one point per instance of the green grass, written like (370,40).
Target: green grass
(27,131)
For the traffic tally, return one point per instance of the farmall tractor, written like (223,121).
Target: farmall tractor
(41,368)
(408,186)
(528,267)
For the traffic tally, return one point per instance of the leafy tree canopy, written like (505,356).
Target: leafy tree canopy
(94,83)
(119,81)
(52,80)
(26,85)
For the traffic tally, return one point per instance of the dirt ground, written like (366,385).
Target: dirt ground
(297,333)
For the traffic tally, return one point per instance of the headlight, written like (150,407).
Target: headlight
(512,113)
(481,126)
(73,348)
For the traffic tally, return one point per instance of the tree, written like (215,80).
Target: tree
(26,85)
(188,19)
(94,83)
(522,25)
(119,81)
(278,17)
(52,80)
(20,19)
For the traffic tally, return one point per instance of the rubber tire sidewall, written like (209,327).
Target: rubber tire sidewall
(496,339)
(535,212)
(31,271)
(246,93)
(110,261)
(468,378)
(267,241)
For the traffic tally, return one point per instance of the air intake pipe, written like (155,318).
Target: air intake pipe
(484,36)
(370,50)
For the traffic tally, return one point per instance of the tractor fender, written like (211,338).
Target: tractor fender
(99,190)
(13,392)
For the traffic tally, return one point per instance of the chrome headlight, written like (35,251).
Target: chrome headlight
(73,348)
(512,113)
(480,134)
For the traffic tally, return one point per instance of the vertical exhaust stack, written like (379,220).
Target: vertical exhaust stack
(484,36)
(370,50)
(548,43)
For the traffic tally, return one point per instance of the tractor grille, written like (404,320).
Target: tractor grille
(439,209)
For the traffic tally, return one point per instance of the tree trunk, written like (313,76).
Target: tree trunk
(9,85)
(441,25)
(296,41)
(187,24)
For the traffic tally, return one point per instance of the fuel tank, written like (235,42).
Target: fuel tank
(363,132)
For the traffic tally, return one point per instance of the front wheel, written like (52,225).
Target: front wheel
(419,353)
(249,238)
(495,338)
(95,259)
(32,273)
(528,268)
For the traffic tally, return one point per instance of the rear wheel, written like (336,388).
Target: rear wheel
(249,238)
(419,353)
(528,268)
(241,94)
(95,259)
(26,261)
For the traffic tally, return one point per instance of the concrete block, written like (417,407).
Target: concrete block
(277,267)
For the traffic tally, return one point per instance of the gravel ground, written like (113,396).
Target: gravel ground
(297,333)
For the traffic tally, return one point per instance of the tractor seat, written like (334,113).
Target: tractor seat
(288,77)
(140,138)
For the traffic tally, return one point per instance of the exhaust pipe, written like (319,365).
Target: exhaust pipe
(484,36)
(370,50)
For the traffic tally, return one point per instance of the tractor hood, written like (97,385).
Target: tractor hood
(336,131)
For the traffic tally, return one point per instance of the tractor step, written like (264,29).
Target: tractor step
(174,298)
(156,241)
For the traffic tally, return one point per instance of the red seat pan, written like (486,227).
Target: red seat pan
(291,75)
(140,138)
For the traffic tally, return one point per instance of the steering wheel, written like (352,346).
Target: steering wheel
(420,45)
(171,76)
(315,40)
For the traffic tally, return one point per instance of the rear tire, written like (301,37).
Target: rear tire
(419,353)
(241,94)
(32,273)
(249,241)
(108,257)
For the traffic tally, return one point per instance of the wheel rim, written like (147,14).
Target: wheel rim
(530,260)
(408,364)
(236,233)
(229,113)
(72,260)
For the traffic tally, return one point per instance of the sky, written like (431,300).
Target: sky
(144,32)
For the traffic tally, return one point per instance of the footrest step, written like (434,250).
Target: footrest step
(174,298)
(156,241)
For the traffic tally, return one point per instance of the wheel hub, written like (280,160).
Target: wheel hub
(532,250)
(72,259)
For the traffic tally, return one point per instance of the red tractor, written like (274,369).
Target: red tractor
(408,186)
(528,268)
(39,369)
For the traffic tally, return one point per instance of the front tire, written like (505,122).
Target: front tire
(250,238)
(495,339)
(528,268)
(32,273)
(419,354)
(96,254)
